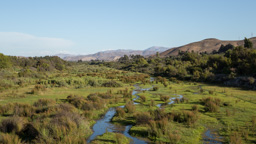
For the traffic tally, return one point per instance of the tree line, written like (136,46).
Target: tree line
(227,63)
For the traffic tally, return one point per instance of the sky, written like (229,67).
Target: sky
(48,27)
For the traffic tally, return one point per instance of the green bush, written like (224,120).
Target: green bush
(155,88)
(111,84)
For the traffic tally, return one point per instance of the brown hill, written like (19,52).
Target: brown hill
(207,45)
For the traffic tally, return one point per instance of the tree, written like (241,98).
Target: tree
(4,61)
(157,54)
(247,43)
(225,48)
(124,59)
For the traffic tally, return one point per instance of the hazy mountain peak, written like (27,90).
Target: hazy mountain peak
(110,55)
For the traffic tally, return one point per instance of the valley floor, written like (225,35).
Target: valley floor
(67,113)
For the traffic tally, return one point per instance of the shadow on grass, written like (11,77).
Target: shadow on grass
(7,115)
(138,133)
(104,141)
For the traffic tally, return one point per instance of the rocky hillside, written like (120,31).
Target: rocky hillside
(207,45)
(112,55)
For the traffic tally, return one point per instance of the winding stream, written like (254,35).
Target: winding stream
(211,138)
(104,124)
(171,101)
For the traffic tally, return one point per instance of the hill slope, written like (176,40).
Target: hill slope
(207,45)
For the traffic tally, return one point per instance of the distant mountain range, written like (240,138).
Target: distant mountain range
(112,55)
(207,45)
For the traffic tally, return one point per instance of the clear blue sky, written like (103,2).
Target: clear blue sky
(46,27)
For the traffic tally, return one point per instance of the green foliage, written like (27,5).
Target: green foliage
(4,61)
(111,84)
(225,48)
(164,98)
(211,104)
(130,107)
(155,88)
(248,43)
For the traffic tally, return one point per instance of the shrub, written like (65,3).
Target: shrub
(251,80)
(143,118)
(111,84)
(77,101)
(126,93)
(183,100)
(158,114)
(152,103)
(29,132)
(245,134)
(211,92)
(119,138)
(9,139)
(195,108)
(93,97)
(38,88)
(235,138)
(176,100)
(187,117)
(164,98)
(13,124)
(211,104)
(88,114)
(120,112)
(143,98)
(163,125)
(67,119)
(6,108)
(155,88)
(23,110)
(130,107)
(153,131)
(174,138)
(44,102)
(66,107)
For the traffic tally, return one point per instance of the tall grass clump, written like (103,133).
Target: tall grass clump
(211,104)
(6,138)
(184,116)
(130,107)
(38,89)
(235,138)
(174,138)
(12,124)
(44,102)
(164,98)
(111,84)
(143,117)
(120,112)
(155,88)
(143,98)
(195,108)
